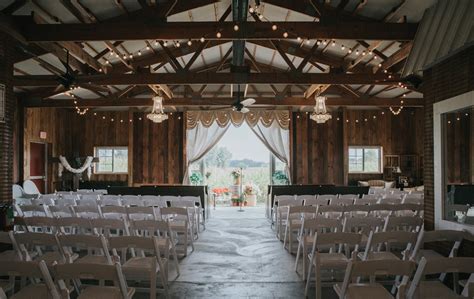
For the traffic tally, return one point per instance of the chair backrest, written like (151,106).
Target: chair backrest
(316,202)
(101,191)
(36,270)
(414,198)
(380,207)
(132,200)
(351,196)
(328,197)
(88,200)
(454,237)
(183,203)
(289,202)
(39,241)
(61,211)
(17,191)
(378,239)
(363,225)
(135,213)
(99,272)
(110,200)
(405,223)
(366,200)
(154,201)
(344,201)
(30,187)
(283,197)
(84,191)
(356,210)
(438,265)
(338,238)
(67,200)
(85,242)
(182,213)
(107,226)
(45,199)
(47,224)
(196,199)
(30,210)
(150,227)
(87,211)
(390,199)
(305,198)
(370,196)
(127,244)
(376,268)
(114,212)
(71,224)
(302,210)
(322,225)
(169,198)
(331,211)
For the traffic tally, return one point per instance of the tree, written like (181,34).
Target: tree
(218,157)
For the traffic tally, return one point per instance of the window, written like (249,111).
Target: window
(365,159)
(111,159)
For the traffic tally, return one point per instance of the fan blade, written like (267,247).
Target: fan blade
(248,102)
(216,108)
(97,88)
(59,89)
(244,110)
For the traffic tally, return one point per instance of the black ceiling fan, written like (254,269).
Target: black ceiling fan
(239,104)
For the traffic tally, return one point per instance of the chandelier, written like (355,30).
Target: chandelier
(320,114)
(157,115)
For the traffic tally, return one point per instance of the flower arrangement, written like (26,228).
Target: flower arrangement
(235,173)
(251,189)
(280,178)
(220,191)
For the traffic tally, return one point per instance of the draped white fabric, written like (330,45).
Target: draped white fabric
(206,128)
(200,140)
(276,140)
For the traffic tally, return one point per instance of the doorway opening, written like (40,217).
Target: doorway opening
(238,169)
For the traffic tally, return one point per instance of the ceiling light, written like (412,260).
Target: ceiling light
(320,114)
(157,114)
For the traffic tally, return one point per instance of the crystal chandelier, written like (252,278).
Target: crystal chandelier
(320,114)
(157,115)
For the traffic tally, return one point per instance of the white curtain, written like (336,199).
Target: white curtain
(200,140)
(276,139)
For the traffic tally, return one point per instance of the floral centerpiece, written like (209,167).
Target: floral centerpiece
(280,178)
(195,178)
(220,191)
(236,174)
(250,192)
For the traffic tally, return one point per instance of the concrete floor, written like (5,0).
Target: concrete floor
(238,256)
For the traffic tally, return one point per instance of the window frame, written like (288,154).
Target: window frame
(363,148)
(113,148)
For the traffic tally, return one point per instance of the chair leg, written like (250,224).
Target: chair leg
(308,279)
(298,251)
(290,237)
(186,242)
(285,236)
(317,282)
(305,256)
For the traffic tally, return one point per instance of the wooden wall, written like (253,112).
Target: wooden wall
(158,150)
(320,150)
(459,147)
(109,128)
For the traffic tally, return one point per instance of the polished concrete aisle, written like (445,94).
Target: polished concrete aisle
(238,256)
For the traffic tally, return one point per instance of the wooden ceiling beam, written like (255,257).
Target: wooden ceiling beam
(398,56)
(139,30)
(13,7)
(217,101)
(215,78)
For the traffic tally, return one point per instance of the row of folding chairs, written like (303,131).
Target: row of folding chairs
(139,257)
(341,212)
(178,218)
(325,246)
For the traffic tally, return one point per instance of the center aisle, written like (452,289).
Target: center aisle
(237,256)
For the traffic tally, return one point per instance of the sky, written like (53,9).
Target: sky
(243,144)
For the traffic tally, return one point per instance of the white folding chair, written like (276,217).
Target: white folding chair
(381,245)
(61,211)
(114,212)
(180,224)
(404,223)
(40,224)
(88,200)
(304,198)
(327,197)
(390,199)
(335,259)
(294,220)
(96,247)
(331,211)
(30,188)
(281,213)
(141,266)
(74,225)
(110,227)
(132,201)
(44,246)
(67,200)
(30,210)
(344,201)
(358,269)
(141,213)
(41,286)
(316,202)
(415,198)
(308,231)
(161,229)
(154,201)
(199,210)
(276,204)
(93,271)
(363,226)
(110,200)
(191,207)
(366,200)
(101,191)
(45,200)
(420,288)
(87,211)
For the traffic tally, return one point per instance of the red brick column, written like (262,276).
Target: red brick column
(7,127)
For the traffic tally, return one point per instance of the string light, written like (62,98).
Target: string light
(190,43)
(342,47)
(308,41)
(131,56)
(178,44)
(156,42)
(236,27)
(202,39)
(349,51)
(274,27)
(139,53)
(165,43)
(285,34)
(325,42)
(298,39)
(318,42)
(148,48)
(333,43)
(218,35)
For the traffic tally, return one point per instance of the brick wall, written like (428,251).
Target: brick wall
(7,127)
(449,78)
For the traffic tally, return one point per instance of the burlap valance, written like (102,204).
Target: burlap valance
(222,118)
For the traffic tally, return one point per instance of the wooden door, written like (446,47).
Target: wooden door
(38,165)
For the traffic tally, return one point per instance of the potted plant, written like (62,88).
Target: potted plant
(250,192)
(236,200)
(236,176)
(195,178)
(280,178)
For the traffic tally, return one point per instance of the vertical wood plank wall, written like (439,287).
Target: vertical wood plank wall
(459,151)
(320,150)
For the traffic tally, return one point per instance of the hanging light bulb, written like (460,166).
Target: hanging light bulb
(349,51)
(285,34)
(342,47)
(190,43)
(202,39)
(218,35)
(298,39)
(157,114)
(165,43)
(274,27)
(156,42)
(318,42)
(320,114)
(333,43)
(178,44)
(148,48)
(308,41)
(236,27)
(325,42)
(139,53)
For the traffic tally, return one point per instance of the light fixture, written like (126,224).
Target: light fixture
(298,38)
(320,114)
(202,39)
(190,43)
(157,114)
(285,34)
(165,43)
(218,35)
(236,27)
(274,27)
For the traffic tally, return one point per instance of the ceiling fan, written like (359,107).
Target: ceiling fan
(239,104)
(67,81)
